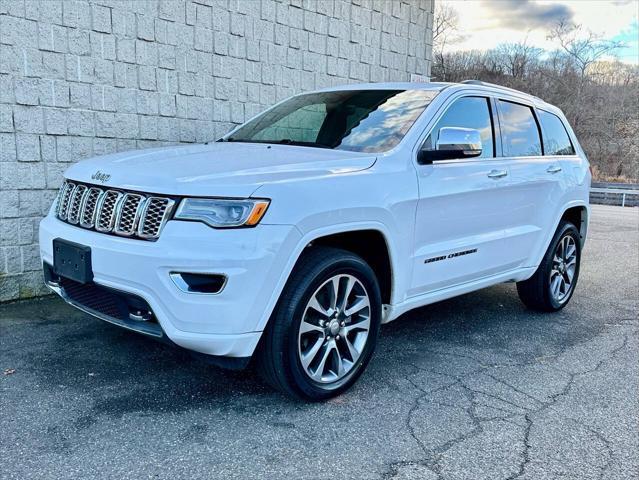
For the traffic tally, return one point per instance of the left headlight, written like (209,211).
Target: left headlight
(222,213)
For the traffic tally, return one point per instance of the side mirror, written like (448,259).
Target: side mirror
(453,143)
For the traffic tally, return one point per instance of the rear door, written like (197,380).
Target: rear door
(459,229)
(534,189)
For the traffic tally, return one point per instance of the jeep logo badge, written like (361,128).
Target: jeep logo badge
(101,176)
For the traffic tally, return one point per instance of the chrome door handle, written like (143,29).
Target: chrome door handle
(553,169)
(497,173)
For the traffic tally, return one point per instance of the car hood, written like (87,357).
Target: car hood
(217,169)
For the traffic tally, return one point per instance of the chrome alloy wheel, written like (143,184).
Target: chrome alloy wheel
(564,264)
(334,329)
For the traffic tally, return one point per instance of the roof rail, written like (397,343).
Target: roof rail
(494,85)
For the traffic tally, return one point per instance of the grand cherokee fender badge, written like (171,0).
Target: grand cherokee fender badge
(101,176)
(450,255)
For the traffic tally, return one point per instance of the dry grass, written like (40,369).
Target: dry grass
(598,176)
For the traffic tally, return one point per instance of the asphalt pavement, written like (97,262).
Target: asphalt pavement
(474,388)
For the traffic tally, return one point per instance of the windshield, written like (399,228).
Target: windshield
(355,120)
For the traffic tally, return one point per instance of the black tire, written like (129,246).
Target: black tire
(277,359)
(536,292)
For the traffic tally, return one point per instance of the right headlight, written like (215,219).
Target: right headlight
(222,212)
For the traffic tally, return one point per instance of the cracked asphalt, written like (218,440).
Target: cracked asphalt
(476,387)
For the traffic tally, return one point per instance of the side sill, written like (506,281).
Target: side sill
(395,311)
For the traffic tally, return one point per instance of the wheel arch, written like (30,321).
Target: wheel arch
(372,246)
(575,212)
(578,215)
(343,236)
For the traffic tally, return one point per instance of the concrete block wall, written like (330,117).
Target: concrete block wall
(88,77)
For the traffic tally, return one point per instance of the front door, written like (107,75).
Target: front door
(459,231)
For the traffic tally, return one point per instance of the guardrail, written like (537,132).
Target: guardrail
(615,194)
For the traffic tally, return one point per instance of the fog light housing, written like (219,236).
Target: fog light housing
(202,283)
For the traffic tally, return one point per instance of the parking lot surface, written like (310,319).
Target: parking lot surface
(476,387)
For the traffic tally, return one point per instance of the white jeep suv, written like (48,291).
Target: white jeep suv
(290,240)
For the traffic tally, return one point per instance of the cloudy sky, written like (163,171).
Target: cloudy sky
(486,23)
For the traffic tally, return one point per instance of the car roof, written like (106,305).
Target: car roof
(438,86)
(389,86)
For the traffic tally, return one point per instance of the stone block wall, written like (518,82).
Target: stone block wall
(89,77)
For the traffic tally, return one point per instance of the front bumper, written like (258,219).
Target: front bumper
(224,324)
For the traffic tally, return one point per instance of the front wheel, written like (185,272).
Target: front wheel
(554,282)
(323,331)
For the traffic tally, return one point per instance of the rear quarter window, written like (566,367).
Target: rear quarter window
(556,138)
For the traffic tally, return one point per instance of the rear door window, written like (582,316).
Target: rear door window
(466,112)
(519,130)
(556,139)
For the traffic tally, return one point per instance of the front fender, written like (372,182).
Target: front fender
(346,202)
(319,232)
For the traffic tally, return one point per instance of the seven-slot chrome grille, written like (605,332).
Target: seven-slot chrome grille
(123,213)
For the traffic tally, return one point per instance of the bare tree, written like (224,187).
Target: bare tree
(582,46)
(445,31)
(517,57)
(445,23)
(599,97)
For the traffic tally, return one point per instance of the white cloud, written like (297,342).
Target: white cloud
(607,18)
(484,24)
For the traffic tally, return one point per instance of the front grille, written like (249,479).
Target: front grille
(87,218)
(128,214)
(63,200)
(155,210)
(113,211)
(106,210)
(75,204)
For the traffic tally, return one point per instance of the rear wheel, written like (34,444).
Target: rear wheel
(324,329)
(554,282)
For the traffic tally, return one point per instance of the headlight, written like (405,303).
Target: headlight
(222,213)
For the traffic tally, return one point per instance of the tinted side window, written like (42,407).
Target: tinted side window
(467,112)
(519,131)
(556,139)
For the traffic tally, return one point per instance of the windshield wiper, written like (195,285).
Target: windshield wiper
(288,141)
(231,139)
(282,141)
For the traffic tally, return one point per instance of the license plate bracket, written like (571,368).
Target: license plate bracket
(72,260)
